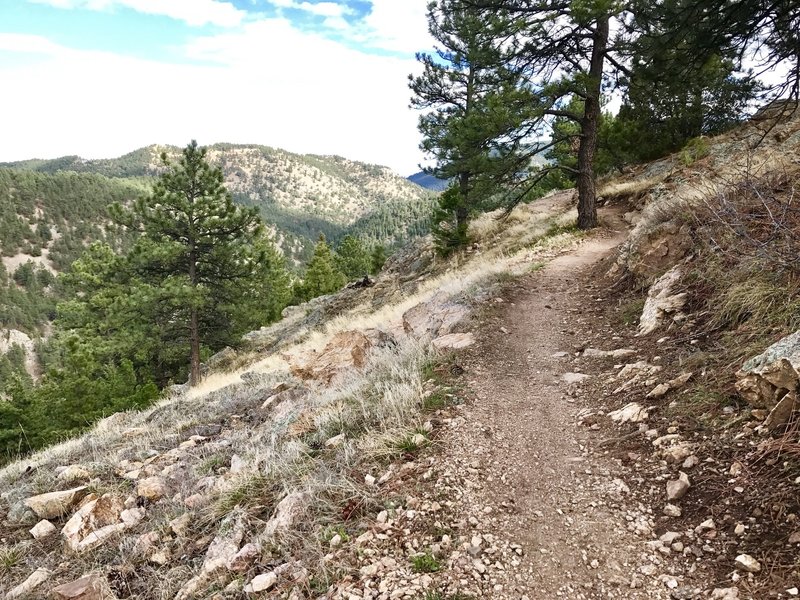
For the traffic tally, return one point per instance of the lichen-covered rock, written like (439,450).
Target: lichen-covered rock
(765,379)
(659,249)
(345,351)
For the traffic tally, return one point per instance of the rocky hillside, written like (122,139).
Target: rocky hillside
(246,483)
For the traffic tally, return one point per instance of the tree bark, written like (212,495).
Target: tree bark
(587,207)
(462,212)
(194,328)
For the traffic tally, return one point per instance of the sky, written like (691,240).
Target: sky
(101,78)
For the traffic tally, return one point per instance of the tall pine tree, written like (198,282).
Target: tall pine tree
(474,108)
(200,249)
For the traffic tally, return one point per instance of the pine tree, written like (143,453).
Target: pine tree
(352,258)
(474,108)
(197,249)
(322,277)
(377,259)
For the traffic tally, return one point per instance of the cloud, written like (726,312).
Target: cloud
(193,12)
(265,82)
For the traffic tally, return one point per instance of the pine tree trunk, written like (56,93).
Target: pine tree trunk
(194,341)
(462,212)
(194,328)
(587,207)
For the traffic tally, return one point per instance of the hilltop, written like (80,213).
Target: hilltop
(547,414)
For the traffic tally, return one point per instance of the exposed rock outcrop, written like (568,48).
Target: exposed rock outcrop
(662,302)
(346,350)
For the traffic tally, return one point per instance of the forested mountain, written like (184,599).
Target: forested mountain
(301,196)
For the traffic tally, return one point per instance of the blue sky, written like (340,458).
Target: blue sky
(100,78)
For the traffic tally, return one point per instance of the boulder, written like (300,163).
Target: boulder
(765,379)
(34,580)
(664,246)
(434,318)
(345,351)
(97,520)
(662,302)
(55,504)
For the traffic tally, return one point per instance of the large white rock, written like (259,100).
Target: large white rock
(54,504)
(630,413)
(662,302)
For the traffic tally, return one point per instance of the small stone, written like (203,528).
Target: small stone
(43,529)
(725,594)
(672,510)
(34,580)
(335,441)
(74,473)
(151,488)
(243,559)
(739,529)
(745,562)
(677,488)
(261,583)
(89,587)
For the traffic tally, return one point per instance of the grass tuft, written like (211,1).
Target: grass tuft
(425,563)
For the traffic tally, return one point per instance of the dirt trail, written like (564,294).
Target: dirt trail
(540,473)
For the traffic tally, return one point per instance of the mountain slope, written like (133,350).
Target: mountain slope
(302,196)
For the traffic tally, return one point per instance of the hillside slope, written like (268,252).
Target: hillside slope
(302,196)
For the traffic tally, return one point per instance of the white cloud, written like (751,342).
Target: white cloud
(193,12)
(269,83)
(398,26)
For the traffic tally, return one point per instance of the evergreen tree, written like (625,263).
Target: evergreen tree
(197,248)
(352,258)
(322,277)
(377,259)
(474,110)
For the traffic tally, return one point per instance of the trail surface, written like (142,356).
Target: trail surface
(538,478)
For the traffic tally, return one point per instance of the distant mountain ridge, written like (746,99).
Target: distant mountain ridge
(429,182)
(301,196)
